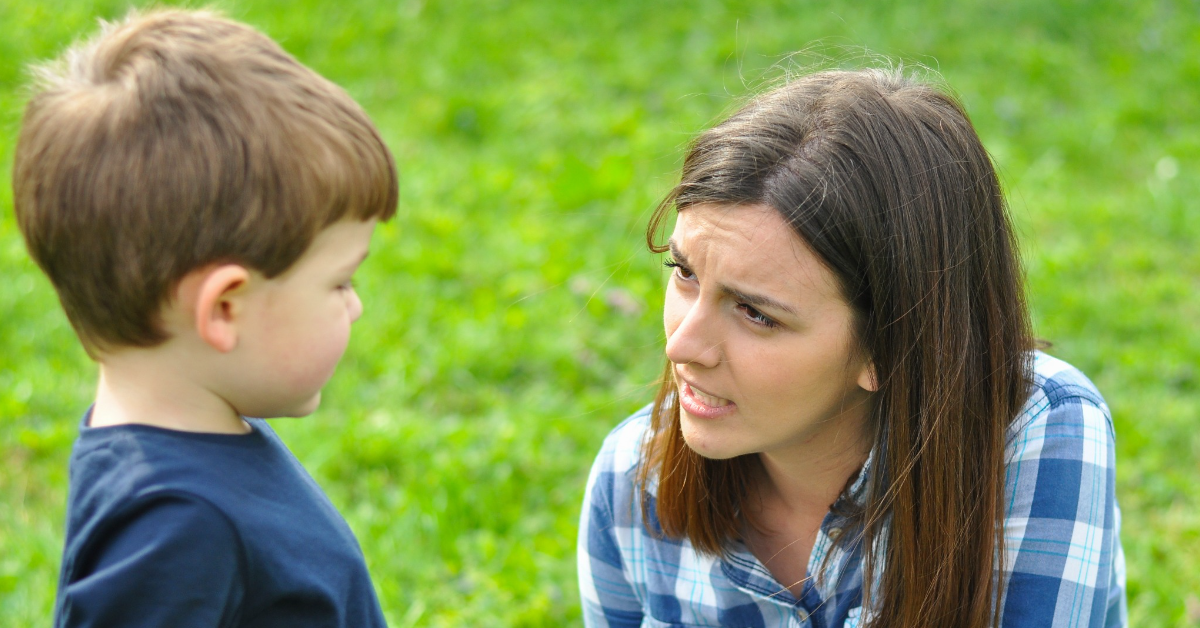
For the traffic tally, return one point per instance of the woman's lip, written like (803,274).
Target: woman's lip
(695,406)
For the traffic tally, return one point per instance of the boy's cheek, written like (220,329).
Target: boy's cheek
(313,361)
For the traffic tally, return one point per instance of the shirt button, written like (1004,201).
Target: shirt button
(802,615)
(834,533)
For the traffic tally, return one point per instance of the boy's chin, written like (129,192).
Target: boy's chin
(306,408)
(292,410)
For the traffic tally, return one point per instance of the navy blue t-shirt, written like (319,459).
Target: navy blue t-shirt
(169,528)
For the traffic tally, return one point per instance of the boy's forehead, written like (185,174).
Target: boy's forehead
(337,249)
(347,240)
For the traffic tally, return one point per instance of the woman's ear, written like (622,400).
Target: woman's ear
(866,378)
(219,306)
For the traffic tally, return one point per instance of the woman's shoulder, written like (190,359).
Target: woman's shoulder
(1059,381)
(622,448)
(1061,399)
(613,483)
(1062,521)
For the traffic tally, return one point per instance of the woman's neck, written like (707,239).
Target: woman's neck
(807,488)
(806,479)
(796,489)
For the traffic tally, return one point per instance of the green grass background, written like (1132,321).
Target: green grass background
(512,313)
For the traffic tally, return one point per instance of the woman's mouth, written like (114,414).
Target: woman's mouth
(698,403)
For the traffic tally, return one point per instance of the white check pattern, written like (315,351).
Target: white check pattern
(1064,565)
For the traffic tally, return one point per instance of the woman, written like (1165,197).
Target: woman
(854,427)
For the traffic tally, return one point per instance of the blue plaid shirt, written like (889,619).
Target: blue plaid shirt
(1063,565)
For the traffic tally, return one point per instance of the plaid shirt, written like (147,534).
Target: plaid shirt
(1063,560)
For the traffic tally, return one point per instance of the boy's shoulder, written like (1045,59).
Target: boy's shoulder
(233,521)
(187,485)
(115,468)
(252,481)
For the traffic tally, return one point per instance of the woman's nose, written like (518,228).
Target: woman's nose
(693,333)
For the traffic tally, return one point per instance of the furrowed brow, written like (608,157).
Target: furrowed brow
(676,254)
(758,300)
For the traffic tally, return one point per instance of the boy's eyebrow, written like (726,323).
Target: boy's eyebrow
(756,300)
(358,260)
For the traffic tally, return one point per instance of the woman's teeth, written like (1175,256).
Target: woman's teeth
(707,399)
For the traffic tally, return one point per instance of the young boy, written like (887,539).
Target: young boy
(200,201)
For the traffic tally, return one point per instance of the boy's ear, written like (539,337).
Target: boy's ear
(218,306)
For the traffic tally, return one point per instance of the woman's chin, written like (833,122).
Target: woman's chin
(704,440)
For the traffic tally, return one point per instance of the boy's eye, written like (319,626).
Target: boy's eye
(683,271)
(349,285)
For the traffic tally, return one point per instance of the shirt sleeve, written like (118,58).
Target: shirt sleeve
(608,599)
(169,561)
(1063,564)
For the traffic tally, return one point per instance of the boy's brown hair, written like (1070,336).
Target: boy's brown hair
(176,140)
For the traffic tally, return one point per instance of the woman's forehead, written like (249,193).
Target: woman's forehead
(749,246)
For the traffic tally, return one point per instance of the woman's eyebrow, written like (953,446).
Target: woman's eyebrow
(757,300)
(676,254)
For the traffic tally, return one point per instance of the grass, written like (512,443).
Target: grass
(512,315)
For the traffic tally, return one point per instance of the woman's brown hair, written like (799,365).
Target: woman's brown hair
(885,178)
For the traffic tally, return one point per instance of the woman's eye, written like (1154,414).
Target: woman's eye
(683,271)
(756,317)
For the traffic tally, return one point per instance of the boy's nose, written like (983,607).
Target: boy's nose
(354,304)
